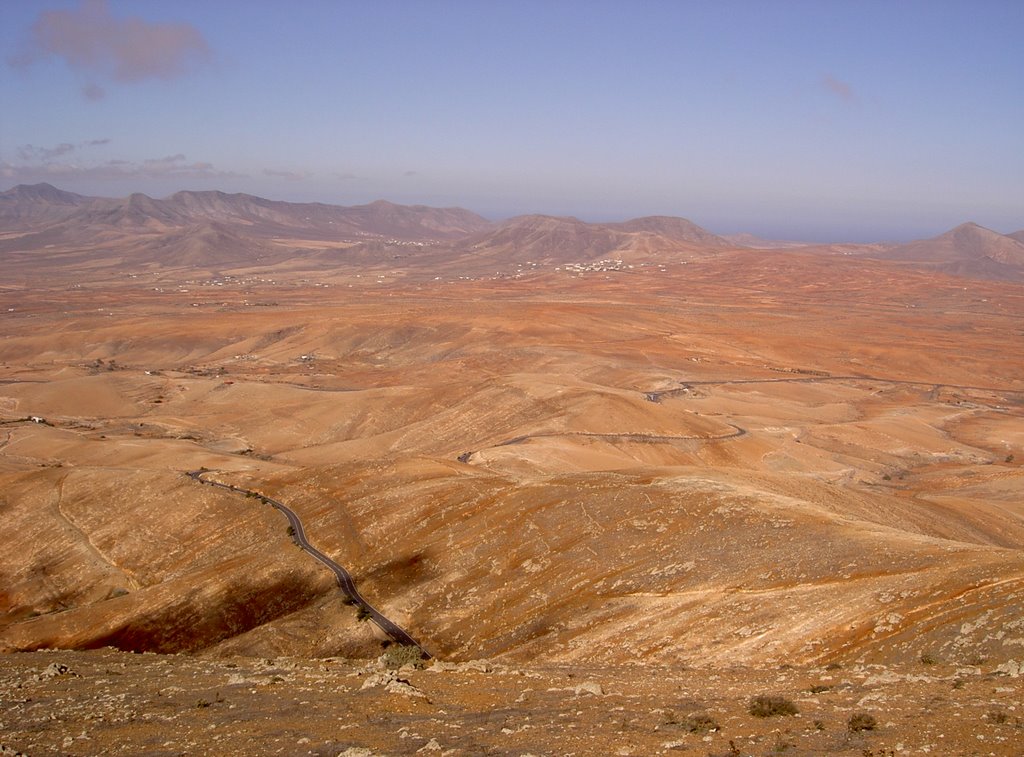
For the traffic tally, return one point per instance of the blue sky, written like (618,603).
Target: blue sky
(817,120)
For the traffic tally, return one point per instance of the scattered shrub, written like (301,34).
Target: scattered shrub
(861,721)
(398,655)
(997,717)
(699,723)
(769,706)
(820,688)
(928,659)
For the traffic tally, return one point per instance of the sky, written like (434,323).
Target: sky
(821,120)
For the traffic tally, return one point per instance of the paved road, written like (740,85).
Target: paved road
(625,437)
(657,396)
(348,586)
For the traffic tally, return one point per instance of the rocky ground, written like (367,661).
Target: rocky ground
(110,702)
(641,497)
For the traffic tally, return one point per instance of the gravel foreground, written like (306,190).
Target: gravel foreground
(111,702)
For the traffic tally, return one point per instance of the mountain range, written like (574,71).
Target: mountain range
(212,228)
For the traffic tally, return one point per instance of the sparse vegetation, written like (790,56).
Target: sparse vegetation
(997,717)
(699,723)
(362,614)
(928,659)
(861,721)
(764,706)
(398,655)
(820,688)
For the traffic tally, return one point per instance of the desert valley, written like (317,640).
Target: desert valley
(617,480)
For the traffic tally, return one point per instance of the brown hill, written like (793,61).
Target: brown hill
(1018,235)
(380,218)
(207,244)
(553,240)
(261,217)
(968,250)
(28,204)
(415,221)
(200,229)
(544,239)
(671,227)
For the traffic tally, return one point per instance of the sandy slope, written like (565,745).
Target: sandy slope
(740,459)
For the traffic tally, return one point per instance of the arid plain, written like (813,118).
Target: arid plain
(673,466)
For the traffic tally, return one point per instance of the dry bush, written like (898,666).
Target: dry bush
(699,723)
(764,706)
(398,655)
(861,721)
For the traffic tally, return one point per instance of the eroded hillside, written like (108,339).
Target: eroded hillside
(735,460)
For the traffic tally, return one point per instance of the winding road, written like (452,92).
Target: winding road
(621,437)
(687,385)
(345,581)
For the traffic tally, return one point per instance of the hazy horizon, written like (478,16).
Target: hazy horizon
(839,122)
(612,218)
